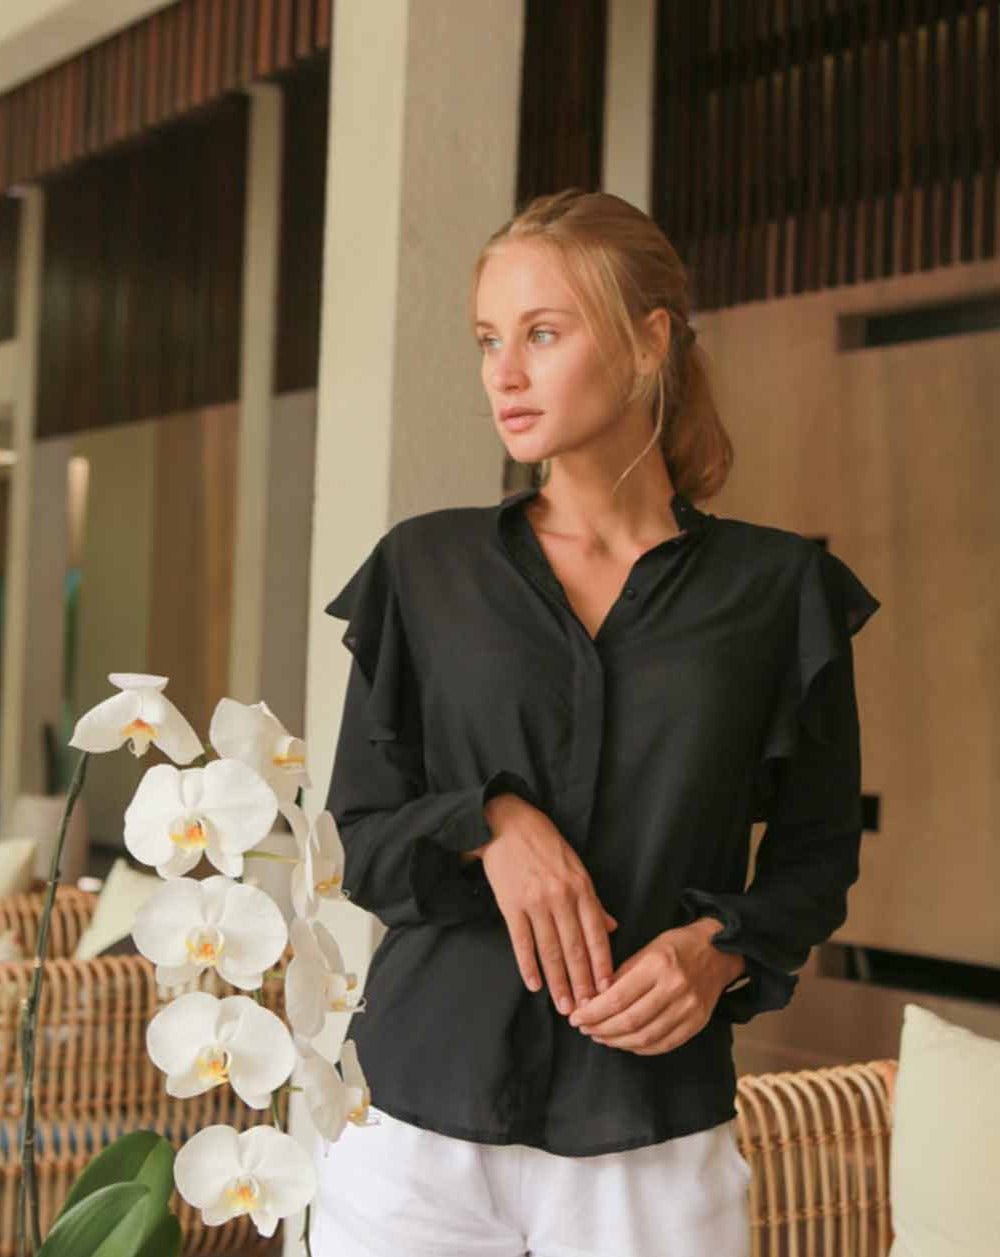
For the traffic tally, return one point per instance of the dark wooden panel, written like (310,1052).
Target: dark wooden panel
(176,60)
(562,96)
(10,213)
(142,285)
(824,141)
(303,200)
(991,127)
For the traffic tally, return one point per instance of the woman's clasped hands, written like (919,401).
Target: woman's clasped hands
(657,999)
(663,994)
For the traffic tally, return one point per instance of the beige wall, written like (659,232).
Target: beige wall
(45,657)
(286,589)
(8,352)
(115,595)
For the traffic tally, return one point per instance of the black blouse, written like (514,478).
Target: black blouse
(719,690)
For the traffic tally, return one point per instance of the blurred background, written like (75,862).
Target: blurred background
(235,245)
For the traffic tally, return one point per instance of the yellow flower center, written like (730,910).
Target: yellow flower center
(330,884)
(212,1064)
(243,1193)
(139,734)
(191,838)
(285,761)
(204,946)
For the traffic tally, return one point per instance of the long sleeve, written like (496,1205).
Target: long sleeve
(401,841)
(809,783)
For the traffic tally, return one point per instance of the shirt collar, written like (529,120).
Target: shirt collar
(689,518)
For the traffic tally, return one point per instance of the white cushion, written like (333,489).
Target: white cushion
(122,895)
(17,862)
(945,1148)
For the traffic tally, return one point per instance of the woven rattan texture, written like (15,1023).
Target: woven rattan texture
(817,1142)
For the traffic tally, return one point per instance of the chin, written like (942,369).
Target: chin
(524,452)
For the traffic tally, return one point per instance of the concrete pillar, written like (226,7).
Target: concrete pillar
(403,425)
(16,643)
(628,102)
(254,493)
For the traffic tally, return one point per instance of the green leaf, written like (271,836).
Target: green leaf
(165,1241)
(85,1227)
(143,1157)
(125,1161)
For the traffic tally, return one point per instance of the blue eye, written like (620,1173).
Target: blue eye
(545,331)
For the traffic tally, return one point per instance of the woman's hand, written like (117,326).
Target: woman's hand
(663,994)
(548,901)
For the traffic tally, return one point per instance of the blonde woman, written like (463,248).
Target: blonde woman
(564,714)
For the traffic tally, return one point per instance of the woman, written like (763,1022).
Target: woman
(563,715)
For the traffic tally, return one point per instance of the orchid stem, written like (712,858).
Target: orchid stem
(269,855)
(28,1190)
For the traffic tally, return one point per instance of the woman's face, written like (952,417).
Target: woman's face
(538,354)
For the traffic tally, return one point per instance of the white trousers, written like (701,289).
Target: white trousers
(397,1190)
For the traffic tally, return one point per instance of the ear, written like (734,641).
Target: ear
(654,339)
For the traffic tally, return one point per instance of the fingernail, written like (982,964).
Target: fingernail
(565,1004)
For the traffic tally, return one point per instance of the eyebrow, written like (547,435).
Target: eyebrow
(530,314)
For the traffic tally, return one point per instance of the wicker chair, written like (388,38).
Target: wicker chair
(817,1141)
(94,1080)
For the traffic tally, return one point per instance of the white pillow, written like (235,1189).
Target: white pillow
(122,895)
(945,1150)
(17,864)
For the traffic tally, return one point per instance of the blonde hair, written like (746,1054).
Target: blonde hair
(620,266)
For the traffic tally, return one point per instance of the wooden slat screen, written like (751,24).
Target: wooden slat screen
(178,59)
(303,205)
(143,277)
(562,96)
(9,218)
(802,144)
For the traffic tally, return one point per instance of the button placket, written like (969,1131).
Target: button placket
(588,733)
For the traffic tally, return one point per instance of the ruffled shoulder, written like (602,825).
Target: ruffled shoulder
(832,606)
(374,635)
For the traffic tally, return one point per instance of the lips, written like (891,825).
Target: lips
(517,417)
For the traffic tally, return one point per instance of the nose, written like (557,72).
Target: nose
(507,371)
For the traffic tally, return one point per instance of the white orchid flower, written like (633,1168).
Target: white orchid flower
(260,1171)
(319,870)
(139,715)
(220,810)
(332,1100)
(255,735)
(316,982)
(186,926)
(201,1042)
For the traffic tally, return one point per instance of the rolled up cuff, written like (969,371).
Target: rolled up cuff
(770,986)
